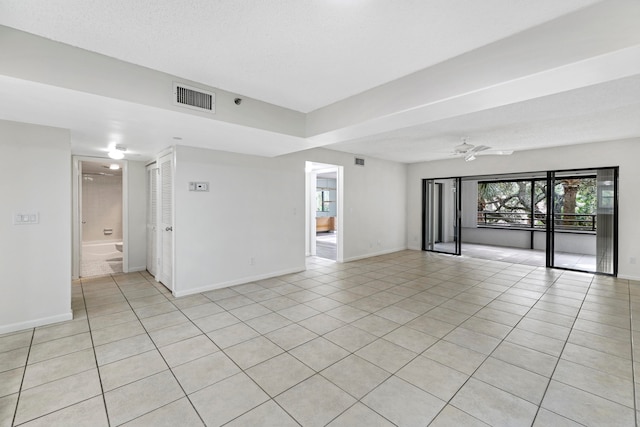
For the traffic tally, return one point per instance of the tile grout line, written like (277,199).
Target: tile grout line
(93,347)
(24,373)
(561,352)
(633,367)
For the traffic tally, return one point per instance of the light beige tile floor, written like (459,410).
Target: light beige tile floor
(408,339)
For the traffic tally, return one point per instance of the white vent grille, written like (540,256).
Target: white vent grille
(359,161)
(194,98)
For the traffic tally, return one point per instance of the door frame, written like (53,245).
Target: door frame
(429,211)
(76,211)
(312,169)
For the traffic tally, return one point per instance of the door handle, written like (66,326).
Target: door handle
(168,229)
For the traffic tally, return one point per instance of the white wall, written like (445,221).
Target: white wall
(36,259)
(624,154)
(248,226)
(102,208)
(137,215)
(375,201)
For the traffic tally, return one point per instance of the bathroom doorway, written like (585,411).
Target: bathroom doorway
(324,211)
(99,226)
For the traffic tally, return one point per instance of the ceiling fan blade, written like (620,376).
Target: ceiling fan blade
(496,153)
(479,148)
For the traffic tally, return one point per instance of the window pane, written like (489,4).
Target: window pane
(506,203)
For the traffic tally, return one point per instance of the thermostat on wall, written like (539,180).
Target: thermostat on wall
(198,186)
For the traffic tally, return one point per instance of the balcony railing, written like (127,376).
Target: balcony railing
(574,222)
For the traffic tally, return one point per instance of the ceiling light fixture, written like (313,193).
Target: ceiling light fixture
(117,152)
(114,166)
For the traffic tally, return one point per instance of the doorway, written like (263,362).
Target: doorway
(441,215)
(324,211)
(100,245)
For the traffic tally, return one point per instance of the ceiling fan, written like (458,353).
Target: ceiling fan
(470,151)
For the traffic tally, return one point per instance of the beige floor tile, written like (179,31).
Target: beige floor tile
(547,418)
(454,356)
(386,355)
(155,309)
(518,381)
(241,395)
(15,341)
(542,343)
(234,302)
(360,414)
(319,353)
(494,406)
(321,324)
(403,404)
(202,310)
(268,414)
(410,339)
(131,369)
(252,352)
(232,335)
(117,332)
(291,336)
(90,412)
(59,347)
(347,314)
(10,381)
(279,373)
(136,399)
(250,311)
(350,338)
(137,303)
(171,334)
(203,372)
(585,408)
(267,323)
(595,382)
(355,375)
(62,330)
(526,358)
(59,367)
(600,343)
(604,362)
(50,397)
(472,340)
(118,350)
(177,413)
(215,321)
(8,409)
(451,416)
(187,350)
(315,401)
(433,377)
(105,321)
(431,326)
(165,320)
(375,325)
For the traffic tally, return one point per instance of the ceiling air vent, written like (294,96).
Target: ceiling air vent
(359,161)
(196,99)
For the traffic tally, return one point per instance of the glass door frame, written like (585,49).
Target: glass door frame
(428,213)
(551,219)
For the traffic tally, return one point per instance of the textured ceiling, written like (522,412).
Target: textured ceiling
(298,54)
(560,73)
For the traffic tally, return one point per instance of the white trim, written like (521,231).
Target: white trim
(627,277)
(242,281)
(135,269)
(371,255)
(13,327)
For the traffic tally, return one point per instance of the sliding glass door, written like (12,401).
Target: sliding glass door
(582,223)
(441,215)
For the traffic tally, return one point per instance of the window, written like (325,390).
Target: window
(322,200)
(523,203)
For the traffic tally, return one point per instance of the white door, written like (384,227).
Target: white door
(152,220)
(166,220)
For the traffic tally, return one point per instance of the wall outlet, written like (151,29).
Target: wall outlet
(198,186)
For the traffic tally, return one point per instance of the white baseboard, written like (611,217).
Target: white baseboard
(134,269)
(627,277)
(28,324)
(365,256)
(241,281)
